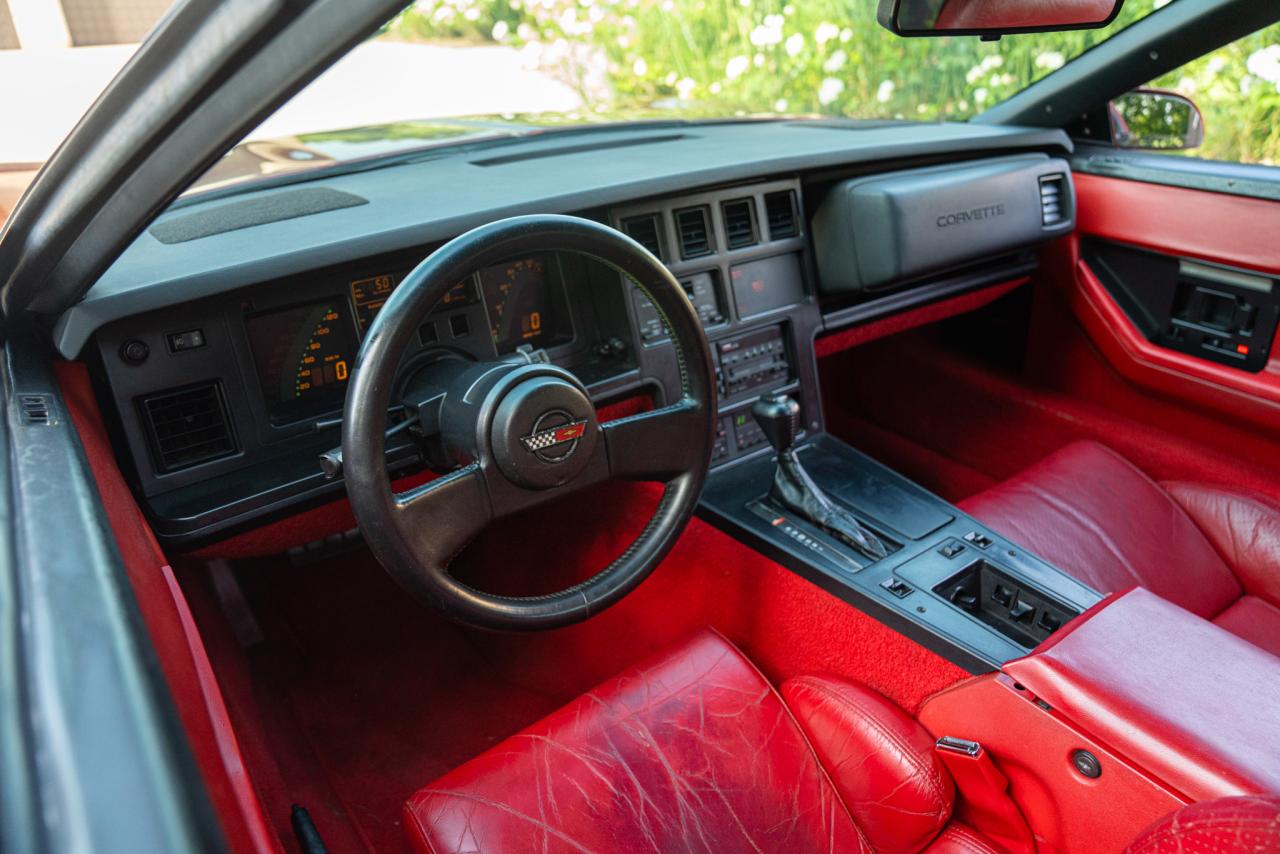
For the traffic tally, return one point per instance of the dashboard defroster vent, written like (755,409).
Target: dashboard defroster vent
(695,232)
(188,426)
(739,223)
(780,208)
(1052,202)
(645,231)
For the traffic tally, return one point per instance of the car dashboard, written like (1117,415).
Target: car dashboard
(223,378)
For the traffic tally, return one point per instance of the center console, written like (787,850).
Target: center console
(944,580)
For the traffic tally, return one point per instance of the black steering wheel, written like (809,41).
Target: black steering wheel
(521,434)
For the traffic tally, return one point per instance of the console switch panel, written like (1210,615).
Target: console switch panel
(1011,606)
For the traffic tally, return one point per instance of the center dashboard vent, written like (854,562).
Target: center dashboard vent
(694,229)
(645,231)
(780,209)
(188,426)
(1052,200)
(739,223)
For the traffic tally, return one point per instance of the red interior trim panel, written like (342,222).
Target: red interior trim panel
(1223,229)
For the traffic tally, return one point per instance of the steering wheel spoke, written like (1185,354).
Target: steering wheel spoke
(658,445)
(441,516)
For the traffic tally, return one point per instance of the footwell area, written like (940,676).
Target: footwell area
(348,696)
(956,422)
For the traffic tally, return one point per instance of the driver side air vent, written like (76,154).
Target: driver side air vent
(695,233)
(780,209)
(1052,201)
(739,223)
(644,230)
(188,426)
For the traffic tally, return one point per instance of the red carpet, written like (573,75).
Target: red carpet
(358,696)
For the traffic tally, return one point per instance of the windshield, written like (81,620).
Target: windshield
(508,66)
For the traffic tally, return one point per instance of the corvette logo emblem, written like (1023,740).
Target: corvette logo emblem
(545,443)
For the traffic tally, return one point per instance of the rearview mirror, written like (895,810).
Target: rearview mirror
(1153,118)
(993,18)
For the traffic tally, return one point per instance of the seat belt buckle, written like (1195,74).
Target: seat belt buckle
(984,800)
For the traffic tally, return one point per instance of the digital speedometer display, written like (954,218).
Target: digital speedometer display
(518,298)
(303,356)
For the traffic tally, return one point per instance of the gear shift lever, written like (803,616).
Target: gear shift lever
(779,418)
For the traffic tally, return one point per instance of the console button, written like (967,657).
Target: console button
(896,587)
(950,550)
(1050,622)
(1021,612)
(978,539)
(1001,595)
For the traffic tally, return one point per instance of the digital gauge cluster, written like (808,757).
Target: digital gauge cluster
(304,353)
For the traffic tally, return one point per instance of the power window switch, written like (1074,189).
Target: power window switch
(1050,622)
(950,550)
(1001,595)
(1021,612)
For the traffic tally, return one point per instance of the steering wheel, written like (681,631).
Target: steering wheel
(521,434)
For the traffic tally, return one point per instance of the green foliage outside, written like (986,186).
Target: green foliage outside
(828,57)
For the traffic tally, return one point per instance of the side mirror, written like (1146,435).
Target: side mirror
(1153,118)
(993,18)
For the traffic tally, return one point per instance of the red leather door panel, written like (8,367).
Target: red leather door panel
(1232,230)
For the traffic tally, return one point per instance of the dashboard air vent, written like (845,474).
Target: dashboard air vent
(1052,203)
(644,230)
(739,223)
(780,208)
(695,232)
(188,426)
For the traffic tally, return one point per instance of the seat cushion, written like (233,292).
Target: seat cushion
(1255,620)
(1095,516)
(1227,825)
(690,751)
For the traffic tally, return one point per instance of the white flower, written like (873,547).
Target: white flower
(835,62)
(685,87)
(1050,60)
(980,95)
(640,68)
(846,34)
(795,44)
(736,67)
(825,33)
(885,91)
(670,79)
(1216,64)
(780,105)
(758,60)
(1265,63)
(769,33)
(830,90)
(714,88)
(500,31)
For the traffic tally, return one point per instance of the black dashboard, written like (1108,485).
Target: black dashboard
(223,390)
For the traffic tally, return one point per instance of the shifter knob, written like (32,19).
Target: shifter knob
(779,418)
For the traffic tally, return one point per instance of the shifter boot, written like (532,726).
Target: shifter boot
(795,490)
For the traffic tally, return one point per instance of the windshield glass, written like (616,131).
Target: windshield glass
(509,66)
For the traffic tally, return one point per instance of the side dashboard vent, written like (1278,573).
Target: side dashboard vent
(780,208)
(645,231)
(739,223)
(188,426)
(36,409)
(695,232)
(1053,202)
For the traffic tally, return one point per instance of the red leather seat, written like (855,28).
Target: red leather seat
(1227,824)
(694,750)
(1093,514)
